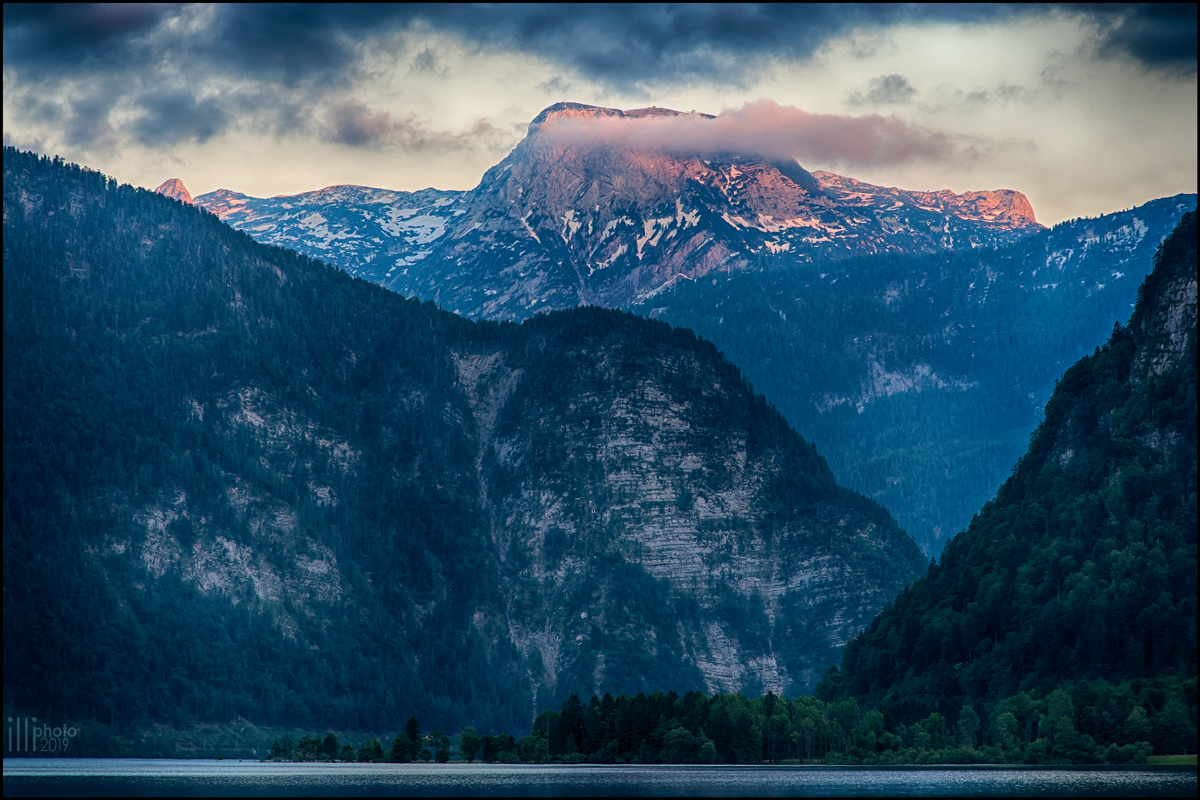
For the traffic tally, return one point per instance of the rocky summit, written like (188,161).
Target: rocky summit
(560,223)
(174,188)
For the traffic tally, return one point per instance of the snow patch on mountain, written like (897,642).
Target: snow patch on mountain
(370,233)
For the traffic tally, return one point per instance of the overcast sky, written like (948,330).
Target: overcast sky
(1085,109)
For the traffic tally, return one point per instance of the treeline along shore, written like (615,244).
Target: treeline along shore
(1071,723)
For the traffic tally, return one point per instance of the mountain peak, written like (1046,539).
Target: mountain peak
(606,206)
(569,110)
(174,188)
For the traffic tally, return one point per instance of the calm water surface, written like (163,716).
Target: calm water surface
(135,777)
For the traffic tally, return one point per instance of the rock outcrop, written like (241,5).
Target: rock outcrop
(1164,322)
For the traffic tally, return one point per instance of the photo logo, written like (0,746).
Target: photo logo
(25,735)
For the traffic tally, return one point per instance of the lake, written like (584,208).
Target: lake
(138,777)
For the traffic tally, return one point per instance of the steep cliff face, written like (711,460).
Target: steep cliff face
(999,211)
(653,518)
(281,493)
(1164,322)
(560,223)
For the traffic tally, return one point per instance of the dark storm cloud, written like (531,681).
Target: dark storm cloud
(290,42)
(621,45)
(61,37)
(626,45)
(301,56)
(354,124)
(41,110)
(172,117)
(87,124)
(1159,35)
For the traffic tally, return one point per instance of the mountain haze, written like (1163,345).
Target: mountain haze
(241,483)
(1082,569)
(920,377)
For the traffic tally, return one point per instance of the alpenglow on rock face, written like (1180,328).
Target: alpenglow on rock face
(174,189)
(316,500)
(556,225)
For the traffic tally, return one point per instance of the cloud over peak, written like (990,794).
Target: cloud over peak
(762,128)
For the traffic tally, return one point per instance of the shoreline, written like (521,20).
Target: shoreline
(18,763)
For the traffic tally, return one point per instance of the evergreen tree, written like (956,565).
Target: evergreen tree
(469,743)
(330,745)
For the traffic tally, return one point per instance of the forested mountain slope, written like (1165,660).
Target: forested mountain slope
(1082,571)
(241,483)
(921,377)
